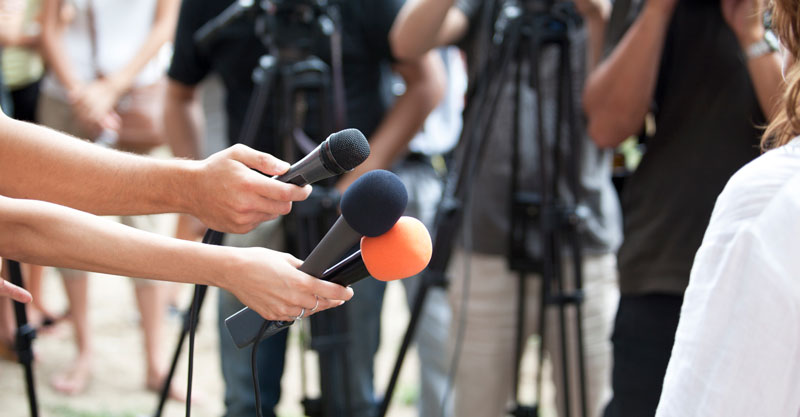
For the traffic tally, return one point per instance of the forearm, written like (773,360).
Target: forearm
(424,90)
(74,173)
(48,234)
(765,71)
(11,18)
(595,31)
(619,91)
(183,125)
(52,49)
(422,25)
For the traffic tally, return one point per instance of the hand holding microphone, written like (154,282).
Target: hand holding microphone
(229,195)
(402,252)
(370,207)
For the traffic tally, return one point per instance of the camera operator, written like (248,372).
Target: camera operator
(484,377)
(233,55)
(710,76)
(223,191)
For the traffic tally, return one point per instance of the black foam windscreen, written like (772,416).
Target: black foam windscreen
(349,148)
(374,202)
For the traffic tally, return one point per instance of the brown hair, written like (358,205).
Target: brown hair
(786,124)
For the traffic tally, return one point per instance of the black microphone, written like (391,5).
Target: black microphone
(340,152)
(370,207)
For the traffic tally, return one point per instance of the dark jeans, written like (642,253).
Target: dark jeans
(644,332)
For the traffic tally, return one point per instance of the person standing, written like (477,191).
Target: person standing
(486,367)
(103,57)
(709,76)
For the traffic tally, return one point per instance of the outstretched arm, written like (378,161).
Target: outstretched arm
(619,91)
(265,280)
(223,190)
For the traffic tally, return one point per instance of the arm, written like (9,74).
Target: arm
(595,15)
(745,17)
(12,14)
(183,120)
(223,190)
(268,281)
(53,50)
(101,95)
(423,25)
(425,82)
(619,91)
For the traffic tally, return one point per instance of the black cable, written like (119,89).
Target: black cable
(254,366)
(193,313)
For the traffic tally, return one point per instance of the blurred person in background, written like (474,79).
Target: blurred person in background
(710,76)
(486,367)
(106,64)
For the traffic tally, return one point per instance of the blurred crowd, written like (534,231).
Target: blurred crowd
(692,82)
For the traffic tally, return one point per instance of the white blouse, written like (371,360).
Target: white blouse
(737,347)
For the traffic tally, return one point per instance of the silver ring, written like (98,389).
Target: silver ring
(302,313)
(315,305)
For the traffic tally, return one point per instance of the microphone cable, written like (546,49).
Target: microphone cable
(254,366)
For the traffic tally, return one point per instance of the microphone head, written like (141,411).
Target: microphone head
(372,204)
(403,251)
(349,148)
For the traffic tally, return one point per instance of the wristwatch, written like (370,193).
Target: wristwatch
(767,45)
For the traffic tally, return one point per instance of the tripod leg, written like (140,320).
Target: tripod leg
(25,335)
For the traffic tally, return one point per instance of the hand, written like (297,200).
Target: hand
(270,283)
(230,197)
(93,106)
(16,293)
(745,18)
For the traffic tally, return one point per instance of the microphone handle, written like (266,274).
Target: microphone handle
(244,325)
(331,248)
(317,165)
(347,272)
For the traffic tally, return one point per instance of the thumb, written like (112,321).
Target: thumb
(16,293)
(260,161)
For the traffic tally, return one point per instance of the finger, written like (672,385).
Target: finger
(16,293)
(329,290)
(280,191)
(259,161)
(306,301)
(325,304)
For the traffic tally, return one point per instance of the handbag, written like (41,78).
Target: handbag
(141,109)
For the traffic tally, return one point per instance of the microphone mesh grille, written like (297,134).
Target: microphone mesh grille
(349,148)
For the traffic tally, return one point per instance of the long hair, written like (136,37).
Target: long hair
(786,124)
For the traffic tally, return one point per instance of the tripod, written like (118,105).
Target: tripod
(24,337)
(521,33)
(282,78)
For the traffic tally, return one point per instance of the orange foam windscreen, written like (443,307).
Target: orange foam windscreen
(403,251)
